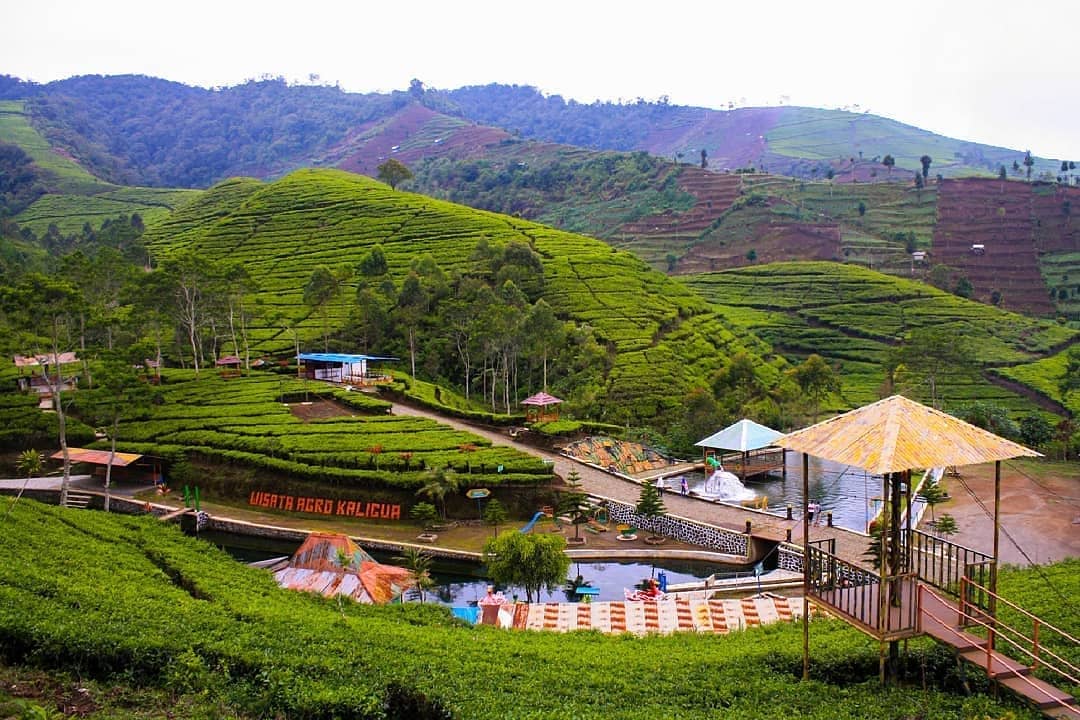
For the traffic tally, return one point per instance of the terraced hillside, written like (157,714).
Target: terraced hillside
(661,338)
(242,422)
(853,316)
(1017,224)
(75,196)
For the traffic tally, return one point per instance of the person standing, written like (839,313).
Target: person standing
(660,485)
(683,486)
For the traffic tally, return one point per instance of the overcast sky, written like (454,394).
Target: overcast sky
(970,70)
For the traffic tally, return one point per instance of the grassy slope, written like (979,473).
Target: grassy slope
(180,614)
(664,338)
(828,134)
(852,316)
(76,196)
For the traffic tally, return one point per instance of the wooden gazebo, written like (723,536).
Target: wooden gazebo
(906,595)
(541,407)
(753,443)
(228,366)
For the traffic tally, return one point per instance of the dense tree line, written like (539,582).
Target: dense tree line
(144,131)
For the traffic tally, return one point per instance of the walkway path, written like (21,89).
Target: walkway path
(849,545)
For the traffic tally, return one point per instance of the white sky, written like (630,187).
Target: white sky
(1001,73)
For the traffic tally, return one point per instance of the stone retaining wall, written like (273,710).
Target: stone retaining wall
(789,557)
(682,529)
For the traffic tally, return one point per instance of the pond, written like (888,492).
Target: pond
(461,583)
(846,491)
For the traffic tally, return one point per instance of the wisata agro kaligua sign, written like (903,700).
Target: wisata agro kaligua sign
(325,506)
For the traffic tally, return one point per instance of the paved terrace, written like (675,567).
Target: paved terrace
(600,483)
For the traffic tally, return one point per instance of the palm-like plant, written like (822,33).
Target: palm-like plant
(29,463)
(418,563)
(437,486)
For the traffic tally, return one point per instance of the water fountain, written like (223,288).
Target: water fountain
(724,485)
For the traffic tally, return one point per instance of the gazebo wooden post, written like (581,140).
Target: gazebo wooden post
(742,470)
(994,565)
(883,561)
(806,567)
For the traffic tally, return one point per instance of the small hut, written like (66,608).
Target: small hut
(228,366)
(343,368)
(755,444)
(541,407)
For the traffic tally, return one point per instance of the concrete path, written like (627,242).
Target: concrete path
(597,482)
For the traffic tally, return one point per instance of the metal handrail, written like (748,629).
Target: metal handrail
(989,649)
(994,630)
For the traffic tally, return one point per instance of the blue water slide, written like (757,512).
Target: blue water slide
(539,514)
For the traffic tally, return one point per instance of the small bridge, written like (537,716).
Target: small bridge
(941,589)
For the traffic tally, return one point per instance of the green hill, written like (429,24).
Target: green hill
(853,316)
(152,613)
(75,197)
(657,339)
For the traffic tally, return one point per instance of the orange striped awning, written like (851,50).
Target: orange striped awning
(96,457)
(897,434)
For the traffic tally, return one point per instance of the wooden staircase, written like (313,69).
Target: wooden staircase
(914,602)
(77,500)
(944,620)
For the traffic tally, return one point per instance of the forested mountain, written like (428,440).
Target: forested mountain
(141,130)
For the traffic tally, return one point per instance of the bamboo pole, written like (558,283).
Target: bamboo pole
(806,566)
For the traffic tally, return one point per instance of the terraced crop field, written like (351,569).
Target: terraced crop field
(661,337)
(853,316)
(243,421)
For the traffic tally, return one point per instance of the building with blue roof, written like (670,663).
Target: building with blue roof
(343,368)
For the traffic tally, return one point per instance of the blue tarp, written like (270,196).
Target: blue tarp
(468,614)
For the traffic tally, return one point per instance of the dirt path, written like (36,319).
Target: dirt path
(1040,509)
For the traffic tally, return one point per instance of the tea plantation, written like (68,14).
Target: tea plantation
(661,339)
(853,317)
(151,608)
(243,422)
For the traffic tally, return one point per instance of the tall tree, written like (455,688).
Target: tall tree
(574,503)
(649,504)
(544,333)
(529,561)
(888,161)
(119,394)
(393,173)
(189,277)
(817,380)
(932,356)
(1029,162)
(412,306)
(49,305)
(925,160)
(320,289)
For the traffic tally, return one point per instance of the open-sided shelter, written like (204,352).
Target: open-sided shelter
(541,407)
(890,438)
(755,444)
(343,368)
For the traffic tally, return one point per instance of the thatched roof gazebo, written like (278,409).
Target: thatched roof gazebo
(890,438)
(541,407)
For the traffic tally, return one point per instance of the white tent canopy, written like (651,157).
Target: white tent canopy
(745,435)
